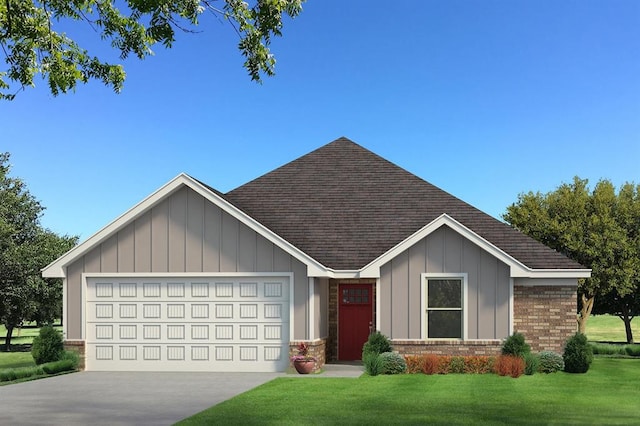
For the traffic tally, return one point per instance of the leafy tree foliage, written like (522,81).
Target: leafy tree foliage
(33,40)
(25,248)
(599,228)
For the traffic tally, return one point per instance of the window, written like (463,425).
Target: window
(444,311)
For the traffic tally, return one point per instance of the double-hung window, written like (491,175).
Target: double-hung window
(444,306)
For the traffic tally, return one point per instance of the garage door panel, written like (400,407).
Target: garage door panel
(215,324)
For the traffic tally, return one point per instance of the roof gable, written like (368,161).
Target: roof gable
(346,207)
(57,268)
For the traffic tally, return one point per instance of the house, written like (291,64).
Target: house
(323,250)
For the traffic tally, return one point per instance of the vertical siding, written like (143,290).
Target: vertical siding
(186,233)
(401,280)
(417,266)
(126,247)
(73,316)
(471,265)
(386,298)
(212,237)
(445,251)
(194,234)
(229,244)
(177,231)
(159,244)
(247,247)
(142,242)
(264,255)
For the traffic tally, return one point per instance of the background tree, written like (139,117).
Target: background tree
(25,248)
(599,229)
(33,42)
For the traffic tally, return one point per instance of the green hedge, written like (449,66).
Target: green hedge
(68,363)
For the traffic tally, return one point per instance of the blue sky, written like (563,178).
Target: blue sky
(485,99)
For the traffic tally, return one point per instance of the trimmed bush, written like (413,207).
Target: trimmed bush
(457,364)
(376,344)
(47,345)
(59,366)
(8,375)
(515,345)
(550,362)
(479,364)
(577,354)
(607,349)
(392,363)
(531,363)
(632,350)
(509,365)
(414,363)
(73,357)
(435,364)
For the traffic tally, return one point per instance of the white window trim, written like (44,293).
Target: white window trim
(424,278)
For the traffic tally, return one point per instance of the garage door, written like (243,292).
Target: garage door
(187,324)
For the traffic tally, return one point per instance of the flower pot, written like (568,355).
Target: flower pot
(304,366)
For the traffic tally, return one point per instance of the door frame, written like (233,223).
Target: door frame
(372,314)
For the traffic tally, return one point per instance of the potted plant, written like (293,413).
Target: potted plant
(303,362)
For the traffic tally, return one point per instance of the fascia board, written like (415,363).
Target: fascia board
(57,268)
(517,268)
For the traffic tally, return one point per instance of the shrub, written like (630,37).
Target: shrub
(59,366)
(632,350)
(607,349)
(414,363)
(479,364)
(47,346)
(509,365)
(515,345)
(73,356)
(430,364)
(577,354)
(7,375)
(376,344)
(457,364)
(372,364)
(392,363)
(531,363)
(550,362)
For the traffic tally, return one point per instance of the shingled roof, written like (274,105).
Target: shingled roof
(345,206)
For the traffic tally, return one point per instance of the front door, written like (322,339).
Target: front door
(355,316)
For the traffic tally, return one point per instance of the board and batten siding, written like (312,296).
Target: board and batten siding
(445,251)
(185,233)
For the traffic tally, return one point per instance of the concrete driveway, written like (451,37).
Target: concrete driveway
(105,398)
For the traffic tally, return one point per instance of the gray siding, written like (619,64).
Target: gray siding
(445,251)
(185,233)
(321,307)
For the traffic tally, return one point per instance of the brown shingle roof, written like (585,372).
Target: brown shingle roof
(345,206)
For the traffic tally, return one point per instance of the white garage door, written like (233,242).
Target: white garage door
(187,324)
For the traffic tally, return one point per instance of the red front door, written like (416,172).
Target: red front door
(355,316)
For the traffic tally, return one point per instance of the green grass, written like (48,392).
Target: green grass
(21,336)
(610,328)
(16,360)
(607,394)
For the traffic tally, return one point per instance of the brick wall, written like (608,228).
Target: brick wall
(545,315)
(317,349)
(78,347)
(448,347)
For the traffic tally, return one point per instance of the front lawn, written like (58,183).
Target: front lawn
(607,394)
(16,360)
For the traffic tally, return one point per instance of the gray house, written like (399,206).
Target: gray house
(325,249)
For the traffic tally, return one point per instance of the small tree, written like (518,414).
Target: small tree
(515,345)
(578,355)
(47,346)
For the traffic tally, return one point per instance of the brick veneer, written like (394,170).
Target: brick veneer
(545,315)
(447,347)
(78,347)
(317,349)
